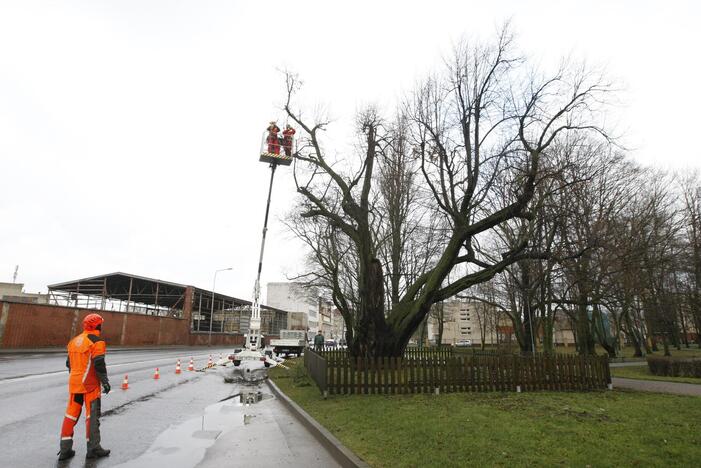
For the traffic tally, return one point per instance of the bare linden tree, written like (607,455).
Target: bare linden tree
(399,224)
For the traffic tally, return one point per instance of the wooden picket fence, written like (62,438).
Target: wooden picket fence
(411,353)
(338,373)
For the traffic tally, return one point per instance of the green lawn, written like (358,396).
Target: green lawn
(627,351)
(643,373)
(604,428)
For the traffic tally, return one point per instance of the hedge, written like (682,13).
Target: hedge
(674,367)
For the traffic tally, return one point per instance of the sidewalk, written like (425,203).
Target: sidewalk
(232,433)
(675,388)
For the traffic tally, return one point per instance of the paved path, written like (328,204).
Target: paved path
(628,364)
(657,386)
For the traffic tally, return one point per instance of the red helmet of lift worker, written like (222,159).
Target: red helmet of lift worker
(93,322)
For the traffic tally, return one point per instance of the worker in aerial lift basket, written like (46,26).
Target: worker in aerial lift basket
(287,136)
(273,140)
(86,364)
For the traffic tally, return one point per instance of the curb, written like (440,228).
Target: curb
(342,454)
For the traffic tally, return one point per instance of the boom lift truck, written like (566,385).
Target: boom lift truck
(252,359)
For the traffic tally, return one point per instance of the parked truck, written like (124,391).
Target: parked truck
(290,342)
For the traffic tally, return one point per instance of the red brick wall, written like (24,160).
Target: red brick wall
(42,326)
(31,325)
(39,326)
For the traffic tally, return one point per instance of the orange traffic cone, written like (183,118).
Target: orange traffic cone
(191,366)
(156,375)
(177,367)
(125,382)
(210,363)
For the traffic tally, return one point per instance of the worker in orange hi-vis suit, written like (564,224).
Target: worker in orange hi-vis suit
(86,363)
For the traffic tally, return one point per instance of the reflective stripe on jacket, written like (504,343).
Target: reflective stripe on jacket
(84,352)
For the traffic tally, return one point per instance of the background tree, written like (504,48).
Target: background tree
(690,188)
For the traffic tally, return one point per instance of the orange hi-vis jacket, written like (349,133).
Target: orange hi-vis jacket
(86,361)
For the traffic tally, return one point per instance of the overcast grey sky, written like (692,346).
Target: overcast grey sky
(129,130)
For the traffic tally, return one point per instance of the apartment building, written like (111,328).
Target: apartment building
(302,305)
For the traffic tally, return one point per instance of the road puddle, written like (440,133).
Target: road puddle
(185,445)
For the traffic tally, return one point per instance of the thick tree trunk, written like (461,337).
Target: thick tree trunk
(696,307)
(611,350)
(528,326)
(373,337)
(520,335)
(638,350)
(682,323)
(548,339)
(632,334)
(665,345)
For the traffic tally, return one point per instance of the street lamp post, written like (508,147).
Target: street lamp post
(211,313)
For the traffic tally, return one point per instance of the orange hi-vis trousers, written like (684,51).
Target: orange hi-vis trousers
(91,400)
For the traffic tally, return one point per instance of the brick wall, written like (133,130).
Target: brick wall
(39,326)
(25,325)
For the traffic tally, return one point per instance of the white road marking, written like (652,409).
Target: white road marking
(109,366)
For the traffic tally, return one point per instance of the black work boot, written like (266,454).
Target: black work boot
(66,455)
(97,452)
(66,450)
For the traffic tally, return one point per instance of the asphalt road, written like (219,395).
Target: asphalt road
(177,420)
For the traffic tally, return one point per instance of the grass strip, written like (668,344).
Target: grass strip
(606,428)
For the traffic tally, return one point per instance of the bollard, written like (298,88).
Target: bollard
(518,389)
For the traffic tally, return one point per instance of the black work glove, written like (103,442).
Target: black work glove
(106,387)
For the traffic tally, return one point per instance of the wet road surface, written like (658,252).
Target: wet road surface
(154,422)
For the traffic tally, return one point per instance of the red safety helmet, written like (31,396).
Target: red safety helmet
(92,321)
